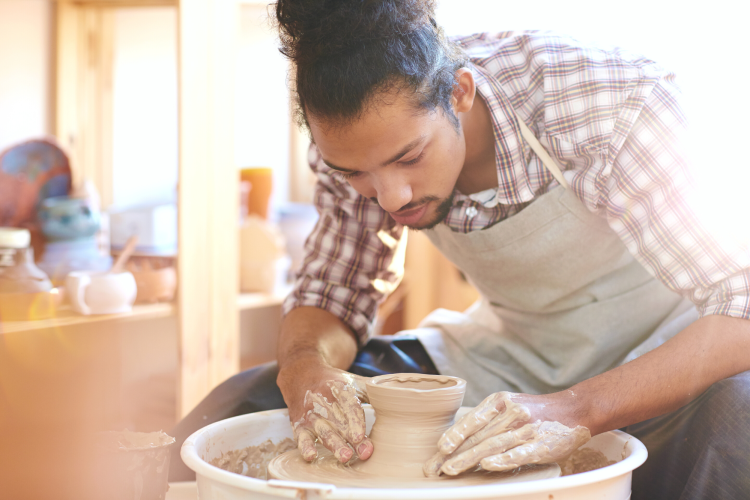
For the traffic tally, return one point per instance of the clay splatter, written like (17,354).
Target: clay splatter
(253,460)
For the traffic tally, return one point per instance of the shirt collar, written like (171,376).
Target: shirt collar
(513,182)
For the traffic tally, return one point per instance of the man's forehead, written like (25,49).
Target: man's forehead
(368,141)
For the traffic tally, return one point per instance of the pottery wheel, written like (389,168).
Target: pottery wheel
(290,466)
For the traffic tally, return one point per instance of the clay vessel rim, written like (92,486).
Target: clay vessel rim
(450,383)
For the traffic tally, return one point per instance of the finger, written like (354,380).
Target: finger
(552,442)
(330,438)
(431,467)
(360,385)
(489,447)
(471,423)
(330,412)
(504,422)
(501,423)
(364,449)
(351,408)
(318,403)
(529,453)
(306,445)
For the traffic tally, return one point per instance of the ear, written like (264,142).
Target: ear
(464,91)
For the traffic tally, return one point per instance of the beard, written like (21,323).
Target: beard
(441,212)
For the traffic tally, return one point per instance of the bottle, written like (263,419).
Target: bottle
(18,273)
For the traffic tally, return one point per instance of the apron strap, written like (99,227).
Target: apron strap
(537,147)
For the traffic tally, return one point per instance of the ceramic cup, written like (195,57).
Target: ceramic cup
(94,292)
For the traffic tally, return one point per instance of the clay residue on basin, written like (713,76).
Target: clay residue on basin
(584,460)
(130,440)
(252,461)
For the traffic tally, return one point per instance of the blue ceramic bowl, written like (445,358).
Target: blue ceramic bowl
(63,218)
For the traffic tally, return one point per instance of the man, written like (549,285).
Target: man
(607,301)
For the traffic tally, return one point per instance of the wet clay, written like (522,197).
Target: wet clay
(253,460)
(584,460)
(326,469)
(412,412)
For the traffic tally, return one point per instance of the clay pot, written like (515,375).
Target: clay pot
(412,411)
(130,465)
(155,285)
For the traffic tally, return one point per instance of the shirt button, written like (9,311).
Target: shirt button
(471,212)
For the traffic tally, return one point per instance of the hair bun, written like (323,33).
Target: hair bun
(311,29)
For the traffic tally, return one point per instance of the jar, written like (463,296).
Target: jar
(18,273)
(12,240)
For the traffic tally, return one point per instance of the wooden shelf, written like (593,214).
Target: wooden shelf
(66,317)
(247,301)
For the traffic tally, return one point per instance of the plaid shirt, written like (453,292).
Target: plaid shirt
(613,122)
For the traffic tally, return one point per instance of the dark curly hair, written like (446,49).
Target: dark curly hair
(348,54)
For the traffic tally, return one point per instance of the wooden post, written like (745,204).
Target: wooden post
(84,65)
(208,199)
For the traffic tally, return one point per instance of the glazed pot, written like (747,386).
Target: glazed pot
(63,218)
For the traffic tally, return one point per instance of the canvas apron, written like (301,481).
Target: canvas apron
(562,300)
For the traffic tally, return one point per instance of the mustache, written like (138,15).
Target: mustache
(413,204)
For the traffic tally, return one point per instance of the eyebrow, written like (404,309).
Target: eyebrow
(413,144)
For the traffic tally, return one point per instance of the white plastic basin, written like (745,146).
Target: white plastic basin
(611,483)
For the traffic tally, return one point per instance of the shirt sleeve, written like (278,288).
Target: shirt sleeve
(353,258)
(656,207)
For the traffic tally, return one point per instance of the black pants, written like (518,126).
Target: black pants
(699,452)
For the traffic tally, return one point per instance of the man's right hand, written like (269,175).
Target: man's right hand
(325,404)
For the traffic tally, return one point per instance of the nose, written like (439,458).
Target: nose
(393,191)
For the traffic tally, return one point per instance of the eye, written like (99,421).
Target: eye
(415,160)
(348,175)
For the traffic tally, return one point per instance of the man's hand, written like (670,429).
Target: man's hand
(324,404)
(506,431)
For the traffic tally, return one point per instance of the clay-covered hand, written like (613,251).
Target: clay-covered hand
(503,433)
(333,414)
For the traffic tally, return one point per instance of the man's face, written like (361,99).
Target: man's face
(405,160)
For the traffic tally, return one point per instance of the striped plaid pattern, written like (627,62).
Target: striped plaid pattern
(613,122)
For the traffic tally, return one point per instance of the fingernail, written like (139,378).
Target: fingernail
(343,454)
(361,449)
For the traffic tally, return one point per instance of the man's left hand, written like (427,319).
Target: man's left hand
(505,431)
